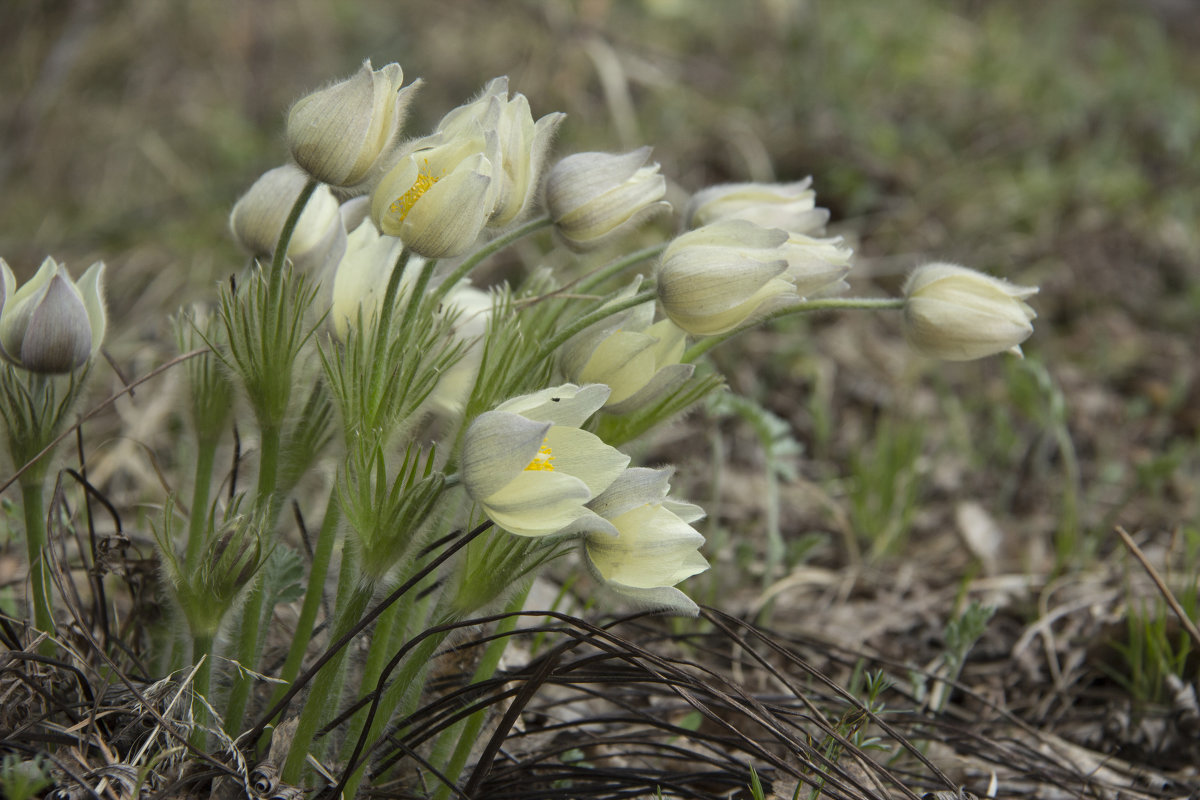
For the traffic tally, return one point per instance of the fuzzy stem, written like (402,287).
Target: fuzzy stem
(197,527)
(499,243)
(804,306)
(322,698)
(326,538)
(587,320)
(33,501)
(377,654)
(202,645)
(285,237)
(617,267)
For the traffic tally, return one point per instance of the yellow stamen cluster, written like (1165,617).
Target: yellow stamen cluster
(404,203)
(541,462)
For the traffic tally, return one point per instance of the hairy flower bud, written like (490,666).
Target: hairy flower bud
(52,324)
(259,215)
(593,197)
(957,314)
(345,134)
(790,206)
(362,275)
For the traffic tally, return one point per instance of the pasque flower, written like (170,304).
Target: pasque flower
(51,324)
(654,548)
(727,273)
(472,310)
(790,206)
(360,278)
(593,197)
(259,215)
(440,195)
(532,470)
(344,134)
(636,357)
(957,314)
(522,144)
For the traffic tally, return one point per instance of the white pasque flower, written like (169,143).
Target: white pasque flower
(532,470)
(51,324)
(636,357)
(722,275)
(522,145)
(259,215)
(593,197)
(957,314)
(440,195)
(655,547)
(790,206)
(345,134)
(362,275)
(473,312)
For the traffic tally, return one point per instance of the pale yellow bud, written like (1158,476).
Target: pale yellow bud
(593,197)
(790,206)
(52,324)
(957,314)
(345,134)
(259,215)
(362,275)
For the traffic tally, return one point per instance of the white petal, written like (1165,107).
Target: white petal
(568,404)
(497,447)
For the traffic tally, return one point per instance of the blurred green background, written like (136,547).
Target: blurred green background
(1052,143)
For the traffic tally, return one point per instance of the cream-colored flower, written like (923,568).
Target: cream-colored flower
(593,197)
(790,206)
(816,266)
(532,470)
(522,142)
(362,275)
(440,195)
(957,314)
(52,324)
(655,546)
(345,134)
(259,215)
(473,312)
(636,357)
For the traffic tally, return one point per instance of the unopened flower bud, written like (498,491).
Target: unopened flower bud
(957,314)
(345,134)
(52,324)
(259,216)
(790,206)
(593,197)
(362,275)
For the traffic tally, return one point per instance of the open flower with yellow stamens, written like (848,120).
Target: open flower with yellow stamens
(655,547)
(440,195)
(532,470)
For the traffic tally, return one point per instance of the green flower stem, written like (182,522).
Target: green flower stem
(285,237)
(202,645)
(248,645)
(617,267)
(414,299)
(463,735)
(316,711)
(495,245)
(326,537)
(197,522)
(588,320)
(403,693)
(804,306)
(377,654)
(33,500)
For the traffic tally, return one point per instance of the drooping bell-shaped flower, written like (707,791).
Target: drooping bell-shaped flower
(790,206)
(532,470)
(655,546)
(957,314)
(346,134)
(259,215)
(593,197)
(637,358)
(52,324)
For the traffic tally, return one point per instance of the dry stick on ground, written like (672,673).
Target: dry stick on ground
(1167,594)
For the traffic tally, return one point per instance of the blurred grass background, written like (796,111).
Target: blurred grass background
(1049,143)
